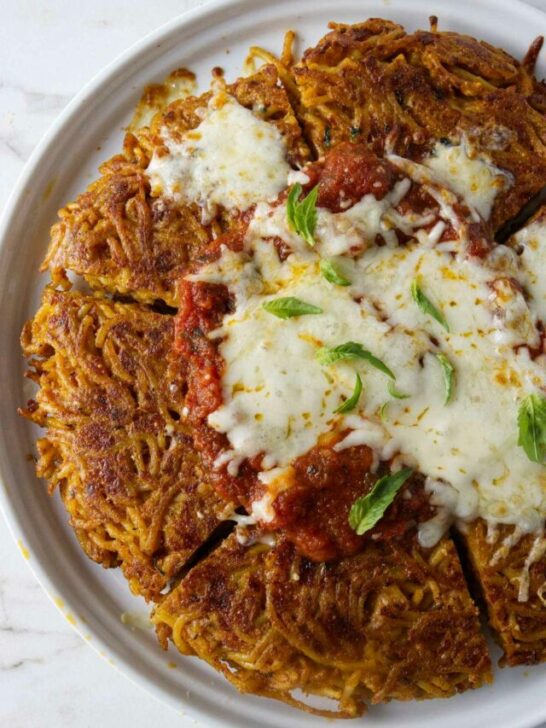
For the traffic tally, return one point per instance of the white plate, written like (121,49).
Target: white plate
(89,131)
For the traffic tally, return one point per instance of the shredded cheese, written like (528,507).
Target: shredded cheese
(473,177)
(278,399)
(532,244)
(232,159)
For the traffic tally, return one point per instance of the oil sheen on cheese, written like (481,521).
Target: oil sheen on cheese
(531,241)
(475,179)
(232,159)
(278,399)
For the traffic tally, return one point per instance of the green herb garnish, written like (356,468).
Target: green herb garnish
(351,350)
(302,215)
(367,510)
(327,136)
(448,371)
(355,131)
(426,305)
(285,308)
(352,402)
(383,412)
(395,393)
(532,427)
(331,271)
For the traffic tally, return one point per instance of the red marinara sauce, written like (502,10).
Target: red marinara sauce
(313,512)
(351,171)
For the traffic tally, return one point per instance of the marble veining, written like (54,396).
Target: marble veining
(49,678)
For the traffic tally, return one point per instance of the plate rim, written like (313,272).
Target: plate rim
(104,77)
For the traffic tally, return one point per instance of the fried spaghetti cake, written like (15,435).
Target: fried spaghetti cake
(303,407)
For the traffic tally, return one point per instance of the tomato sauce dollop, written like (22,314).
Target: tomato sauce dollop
(351,171)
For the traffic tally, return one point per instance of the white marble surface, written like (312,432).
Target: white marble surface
(49,678)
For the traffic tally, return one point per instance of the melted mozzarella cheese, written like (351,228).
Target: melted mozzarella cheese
(278,399)
(469,445)
(532,244)
(232,158)
(472,177)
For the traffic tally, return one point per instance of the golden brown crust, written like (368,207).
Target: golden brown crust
(219,613)
(519,626)
(400,614)
(373,83)
(388,623)
(120,238)
(391,623)
(539,215)
(262,92)
(116,445)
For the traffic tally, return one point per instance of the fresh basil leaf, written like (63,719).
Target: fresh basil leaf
(532,427)
(331,271)
(426,305)
(367,510)
(285,308)
(395,393)
(292,203)
(352,402)
(302,215)
(448,371)
(327,137)
(351,350)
